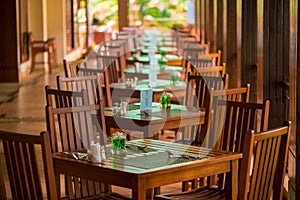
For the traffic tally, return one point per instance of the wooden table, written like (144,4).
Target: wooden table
(153,166)
(142,72)
(121,90)
(175,117)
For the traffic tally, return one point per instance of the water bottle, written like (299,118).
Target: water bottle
(153,72)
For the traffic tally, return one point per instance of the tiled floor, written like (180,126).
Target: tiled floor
(22,109)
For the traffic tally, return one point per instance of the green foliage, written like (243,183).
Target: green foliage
(102,11)
(154,12)
(165,13)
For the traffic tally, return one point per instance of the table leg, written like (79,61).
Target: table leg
(234,178)
(139,190)
(57,180)
(139,194)
(231,185)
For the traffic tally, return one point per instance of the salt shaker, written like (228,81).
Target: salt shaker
(95,151)
(102,152)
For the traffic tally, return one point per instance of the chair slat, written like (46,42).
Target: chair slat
(71,67)
(267,162)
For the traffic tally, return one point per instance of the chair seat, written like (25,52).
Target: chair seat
(199,193)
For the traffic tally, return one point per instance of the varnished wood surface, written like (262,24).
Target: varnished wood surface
(120,170)
(121,90)
(175,117)
(144,71)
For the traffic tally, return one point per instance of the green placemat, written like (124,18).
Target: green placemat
(150,160)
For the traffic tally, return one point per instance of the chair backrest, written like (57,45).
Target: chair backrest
(216,57)
(117,48)
(198,94)
(233,94)
(198,85)
(263,164)
(240,117)
(241,94)
(67,132)
(71,67)
(112,64)
(64,98)
(193,53)
(129,39)
(92,84)
(210,71)
(113,73)
(131,34)
(22,160)
(206,46)
(100,74)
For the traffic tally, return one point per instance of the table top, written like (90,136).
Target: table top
(157,114)
(154,156)
(148,164)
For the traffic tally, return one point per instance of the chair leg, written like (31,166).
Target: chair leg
(49,61)
(33,54)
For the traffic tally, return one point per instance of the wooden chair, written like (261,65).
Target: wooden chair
(91,83)
(195,57)
(198,95)
(42,46)
(181,40)
(113,64)
(191,64)
(206,46)
(22,157)
(193,53)
(100,74)
(71,67)
(193,44)
(240,117)
(262,168)
(241,94)
(72,126)
(116,48)
(212,139)
(76,133)
(233,94)
(131,35)
(113,73)
(216,57)
(63,98)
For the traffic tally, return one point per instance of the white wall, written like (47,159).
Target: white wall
(36,19)
(56,25)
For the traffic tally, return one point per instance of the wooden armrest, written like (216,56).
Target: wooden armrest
(38,42)
(51,40)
